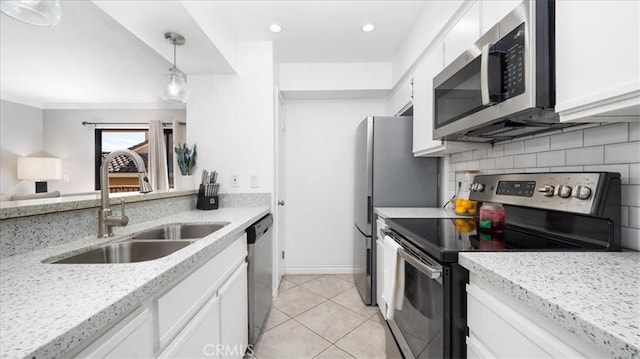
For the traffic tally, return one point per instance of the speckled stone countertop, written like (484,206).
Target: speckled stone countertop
(47,309)
(416,212)
(13,209)
(593,295)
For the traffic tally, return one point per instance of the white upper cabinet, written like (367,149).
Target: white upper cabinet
(492,11)
(463,34)
(598,60)
(423,100)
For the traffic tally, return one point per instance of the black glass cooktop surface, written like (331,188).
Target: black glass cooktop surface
(443,238)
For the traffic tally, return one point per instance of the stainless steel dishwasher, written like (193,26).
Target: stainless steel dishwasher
(259,240)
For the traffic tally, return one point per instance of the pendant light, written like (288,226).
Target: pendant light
(175,88)
(33,12)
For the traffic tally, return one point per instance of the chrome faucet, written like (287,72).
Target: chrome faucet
(106,221)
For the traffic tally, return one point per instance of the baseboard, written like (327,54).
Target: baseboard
(320,269)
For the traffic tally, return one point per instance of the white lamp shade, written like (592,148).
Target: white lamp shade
(33,12)
(39,168)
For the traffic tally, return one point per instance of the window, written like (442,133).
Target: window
(122,172)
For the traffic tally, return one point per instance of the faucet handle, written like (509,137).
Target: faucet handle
(124,220)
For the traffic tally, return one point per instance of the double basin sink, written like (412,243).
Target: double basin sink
(151,244)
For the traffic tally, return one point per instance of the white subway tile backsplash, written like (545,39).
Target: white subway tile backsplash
(517,170)
(567,169)
(537,169)
(634,131)
(548,133)
(462,166)
(525,160)
(614,133)
(539,144)
(623,169)
(631,238)
(494,172)
(456,157)
(466,156)
(631,195)
(496,151)
(514,148)
(479,154)
(634,217)
(504,162)
(622,153)
(634,173)
(585,156)
(624,216)
(488,164)
(571,139)
(553,158)
(582,127)
(473,165)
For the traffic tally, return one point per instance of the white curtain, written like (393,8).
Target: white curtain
(158,173)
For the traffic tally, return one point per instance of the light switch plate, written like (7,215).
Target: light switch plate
(253,180)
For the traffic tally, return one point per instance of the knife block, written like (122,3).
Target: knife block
(206,202)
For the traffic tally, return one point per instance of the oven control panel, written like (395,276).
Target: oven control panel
(570,192)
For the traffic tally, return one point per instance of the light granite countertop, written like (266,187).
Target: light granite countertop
(31,207)
(416,212)
(595,295)
(47,309)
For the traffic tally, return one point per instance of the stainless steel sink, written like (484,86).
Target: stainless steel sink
(180,231)
(126,252)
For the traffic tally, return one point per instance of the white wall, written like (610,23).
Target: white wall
(231,120)
(320,145)
(335,76)
(20,135)
(610,147)
(65,137)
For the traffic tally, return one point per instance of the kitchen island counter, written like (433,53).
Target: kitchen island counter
(594,295)
(48,309)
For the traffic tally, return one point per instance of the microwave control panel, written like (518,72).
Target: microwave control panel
(512,62)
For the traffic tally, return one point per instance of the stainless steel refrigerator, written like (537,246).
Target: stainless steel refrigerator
(387,175)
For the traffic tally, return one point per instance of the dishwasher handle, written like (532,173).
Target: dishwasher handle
(259,229)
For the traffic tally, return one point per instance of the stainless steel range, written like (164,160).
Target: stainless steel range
(544,212)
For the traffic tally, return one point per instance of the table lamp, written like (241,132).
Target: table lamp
(40,169)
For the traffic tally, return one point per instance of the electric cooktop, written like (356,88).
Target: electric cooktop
(443,238)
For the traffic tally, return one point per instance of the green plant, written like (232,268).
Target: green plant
(186,158)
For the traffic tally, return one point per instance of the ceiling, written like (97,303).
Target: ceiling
(113,52)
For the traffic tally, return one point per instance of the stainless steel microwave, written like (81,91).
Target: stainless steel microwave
(504,86)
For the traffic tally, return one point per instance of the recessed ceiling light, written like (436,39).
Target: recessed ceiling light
(275,28)
(368,27)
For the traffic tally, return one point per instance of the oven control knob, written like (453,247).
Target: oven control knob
(480,187)
(546,190)
(564,191)
(582,192)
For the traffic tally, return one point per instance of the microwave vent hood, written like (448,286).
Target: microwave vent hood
(526,123)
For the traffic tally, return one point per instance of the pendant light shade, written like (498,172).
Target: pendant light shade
(33,12)
(175,89)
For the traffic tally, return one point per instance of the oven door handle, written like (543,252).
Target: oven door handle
(432,273)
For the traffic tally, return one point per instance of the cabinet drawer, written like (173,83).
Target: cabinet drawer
(506,333)
(182,302)
(131,338)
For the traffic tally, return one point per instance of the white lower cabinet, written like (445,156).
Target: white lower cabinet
(234,315)
(131,338)
(200,337)
(502,327)
(203,314)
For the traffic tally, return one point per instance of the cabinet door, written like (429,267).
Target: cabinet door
(493,11)
(404,96)
(428,68)
(201,337)
(131,338)
(463,35)
(597,57)
(234,314)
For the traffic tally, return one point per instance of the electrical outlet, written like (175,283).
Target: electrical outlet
(253,180)
(235,181)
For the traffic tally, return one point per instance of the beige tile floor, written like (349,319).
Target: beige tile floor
(321,316)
